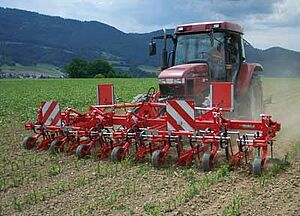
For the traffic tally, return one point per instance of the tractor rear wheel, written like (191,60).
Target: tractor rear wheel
(28,142)
(250,106)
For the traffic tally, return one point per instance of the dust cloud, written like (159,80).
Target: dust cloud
(282,97)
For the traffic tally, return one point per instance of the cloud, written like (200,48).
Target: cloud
(258,18)
(284,37)
(285,14)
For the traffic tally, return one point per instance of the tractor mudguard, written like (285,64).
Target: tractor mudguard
(245,76)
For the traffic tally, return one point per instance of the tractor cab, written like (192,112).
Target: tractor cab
(201,53)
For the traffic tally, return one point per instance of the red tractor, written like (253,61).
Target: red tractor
(204,53)
(204,76)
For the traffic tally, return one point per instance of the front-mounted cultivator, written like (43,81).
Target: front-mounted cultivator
(152,127)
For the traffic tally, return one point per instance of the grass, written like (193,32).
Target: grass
(151,209)
(54,170)
(21,98)
(233,208)
(19,102)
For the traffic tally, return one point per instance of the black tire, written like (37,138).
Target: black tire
(207,162)
(257,166)
(81,151)
(156,158)
(53,148)
(29,143)
(117,154)
(250,106)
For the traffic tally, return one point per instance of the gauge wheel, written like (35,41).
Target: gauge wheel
(54,146)
(29,142)
(157,158)
(207,162)
(81,151)
(257,166)
(117,154)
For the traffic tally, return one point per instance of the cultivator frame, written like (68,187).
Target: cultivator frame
(149,128)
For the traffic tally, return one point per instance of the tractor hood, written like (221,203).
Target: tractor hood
(185,71)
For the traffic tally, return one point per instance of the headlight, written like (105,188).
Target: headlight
(171,81)
(178,81)
(162,81)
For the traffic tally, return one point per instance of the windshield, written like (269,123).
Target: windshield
(195,48)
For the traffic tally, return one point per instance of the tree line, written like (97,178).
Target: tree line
(80,68)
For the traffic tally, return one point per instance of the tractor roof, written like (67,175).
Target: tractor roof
(207,26)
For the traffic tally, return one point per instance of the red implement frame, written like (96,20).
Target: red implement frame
(144,127)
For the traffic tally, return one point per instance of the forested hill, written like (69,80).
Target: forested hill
(30,38)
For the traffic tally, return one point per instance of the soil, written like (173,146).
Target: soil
(279,197)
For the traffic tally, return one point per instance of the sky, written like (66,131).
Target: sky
(266,23)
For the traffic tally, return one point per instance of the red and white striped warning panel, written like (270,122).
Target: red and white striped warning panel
(51,113)
(180,115)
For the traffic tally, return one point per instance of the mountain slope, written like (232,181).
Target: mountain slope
(276,61)
(30,38)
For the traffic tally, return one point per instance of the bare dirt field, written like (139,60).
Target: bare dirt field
(36,183)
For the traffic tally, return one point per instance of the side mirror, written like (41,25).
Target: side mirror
(212,37)
(152,48)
